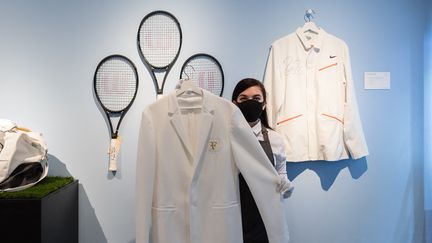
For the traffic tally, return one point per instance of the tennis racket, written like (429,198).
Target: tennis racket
(115,86)
(159,42)
(205,71)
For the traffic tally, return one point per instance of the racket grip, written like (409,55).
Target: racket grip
(112,163)
(113,153)
(159,96)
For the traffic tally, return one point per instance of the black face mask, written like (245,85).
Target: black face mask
(251,109)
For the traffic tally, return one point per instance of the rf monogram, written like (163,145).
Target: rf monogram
(213,145)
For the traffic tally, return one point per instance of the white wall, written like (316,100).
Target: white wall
(49,51)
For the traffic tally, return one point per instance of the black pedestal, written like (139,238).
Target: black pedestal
(51,219)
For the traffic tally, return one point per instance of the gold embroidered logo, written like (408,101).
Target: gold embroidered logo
(214,145)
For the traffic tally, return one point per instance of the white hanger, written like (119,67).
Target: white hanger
(188,86)
(310,26)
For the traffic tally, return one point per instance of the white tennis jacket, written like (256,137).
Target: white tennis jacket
(311,98)
(190,155)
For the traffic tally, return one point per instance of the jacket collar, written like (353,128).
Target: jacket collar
(257,129)
(309,43)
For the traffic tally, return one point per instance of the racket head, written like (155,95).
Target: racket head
(206,71)
(115,83)
(159,39)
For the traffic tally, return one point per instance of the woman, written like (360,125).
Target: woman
(250,96)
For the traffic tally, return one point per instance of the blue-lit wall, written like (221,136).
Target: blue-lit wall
(428,123)
(49,51)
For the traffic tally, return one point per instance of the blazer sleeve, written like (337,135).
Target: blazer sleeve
(260,176)
(271,82)
(145,171)
(353,131)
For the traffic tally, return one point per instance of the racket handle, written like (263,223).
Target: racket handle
(112,164)
(159,96)
(113,153)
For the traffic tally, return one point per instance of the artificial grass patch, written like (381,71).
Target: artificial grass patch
(41,189)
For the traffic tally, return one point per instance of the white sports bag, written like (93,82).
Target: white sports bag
(23,157)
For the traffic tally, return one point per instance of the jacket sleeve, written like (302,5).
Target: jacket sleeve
(271,82)
(145,171)
(260,176)
(353,131)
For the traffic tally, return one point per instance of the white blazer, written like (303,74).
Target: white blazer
(311,99)
(187,174)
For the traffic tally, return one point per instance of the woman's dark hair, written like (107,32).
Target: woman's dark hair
(243,85)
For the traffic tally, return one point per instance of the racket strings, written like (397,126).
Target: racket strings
(116,84)
(160,40)
(206,74)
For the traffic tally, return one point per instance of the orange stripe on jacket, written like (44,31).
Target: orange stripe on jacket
(341,121)
(289,119)
(334,64)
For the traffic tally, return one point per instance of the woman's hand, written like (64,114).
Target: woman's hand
(285,186)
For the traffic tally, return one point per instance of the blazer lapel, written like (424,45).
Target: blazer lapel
(178,126)
(205,125)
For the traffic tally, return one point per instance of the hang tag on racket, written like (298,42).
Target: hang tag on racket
(113,152)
